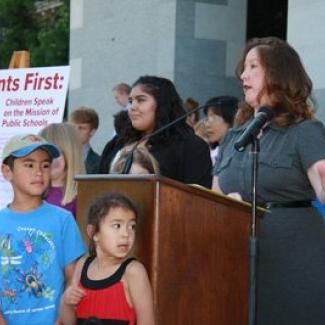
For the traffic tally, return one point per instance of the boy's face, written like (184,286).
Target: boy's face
(30,175)
(121,98)
(84,130)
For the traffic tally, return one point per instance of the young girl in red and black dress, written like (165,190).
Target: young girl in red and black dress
(107,285)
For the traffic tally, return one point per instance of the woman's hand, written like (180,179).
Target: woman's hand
(216,187)
(316,175)
(235,195)
(321,172)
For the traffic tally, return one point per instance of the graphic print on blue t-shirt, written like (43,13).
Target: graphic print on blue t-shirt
(34,249)
(26,257)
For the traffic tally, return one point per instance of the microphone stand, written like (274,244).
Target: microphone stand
(250,135)
(253,240)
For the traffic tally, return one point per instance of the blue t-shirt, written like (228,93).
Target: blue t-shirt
(35,247)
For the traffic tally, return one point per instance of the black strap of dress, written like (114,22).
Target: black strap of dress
(103,283)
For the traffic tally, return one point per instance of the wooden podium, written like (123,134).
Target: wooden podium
(193,243)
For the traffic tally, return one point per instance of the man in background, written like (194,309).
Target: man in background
(86,122)
(121,94)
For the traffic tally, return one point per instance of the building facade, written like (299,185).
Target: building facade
(194,43)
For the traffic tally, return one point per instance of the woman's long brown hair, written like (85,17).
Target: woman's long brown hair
(286,82)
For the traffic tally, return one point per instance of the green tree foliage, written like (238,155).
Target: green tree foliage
(44,34)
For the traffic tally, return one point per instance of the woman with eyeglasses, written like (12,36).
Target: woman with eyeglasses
(219,117)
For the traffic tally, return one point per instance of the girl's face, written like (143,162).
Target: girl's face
(116,234)
(253,80)
(58,170)
(215,127)
(143,110)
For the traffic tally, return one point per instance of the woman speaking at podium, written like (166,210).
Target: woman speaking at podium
(291,255)
(181,155)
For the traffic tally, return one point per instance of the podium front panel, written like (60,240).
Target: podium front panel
(194,246)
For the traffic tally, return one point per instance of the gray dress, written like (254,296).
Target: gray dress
(291,258)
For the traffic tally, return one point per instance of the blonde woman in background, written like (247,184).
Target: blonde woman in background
(63,189)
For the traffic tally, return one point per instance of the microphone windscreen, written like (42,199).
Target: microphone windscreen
(268,111)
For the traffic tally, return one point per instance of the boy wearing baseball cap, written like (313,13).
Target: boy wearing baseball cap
(39,242)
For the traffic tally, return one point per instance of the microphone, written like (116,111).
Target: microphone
(129,159)
(264,115)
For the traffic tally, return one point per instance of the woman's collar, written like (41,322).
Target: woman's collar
(270,125)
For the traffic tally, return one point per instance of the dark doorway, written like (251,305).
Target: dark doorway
(267,18)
